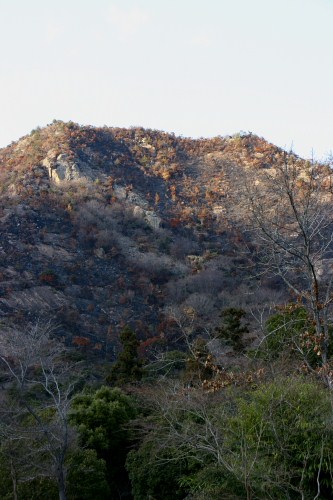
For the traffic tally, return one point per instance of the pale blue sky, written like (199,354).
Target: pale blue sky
(193,67)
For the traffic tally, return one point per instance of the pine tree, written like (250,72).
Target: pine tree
(232,329)
(128,367)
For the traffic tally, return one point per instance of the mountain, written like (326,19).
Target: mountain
(103,227)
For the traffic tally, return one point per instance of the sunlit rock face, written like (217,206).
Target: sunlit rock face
(62,168)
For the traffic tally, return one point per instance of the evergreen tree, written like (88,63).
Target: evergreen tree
(102,419)
(232,329)
(128,367)
(87,477)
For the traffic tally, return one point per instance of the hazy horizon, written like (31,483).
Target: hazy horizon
(194,69)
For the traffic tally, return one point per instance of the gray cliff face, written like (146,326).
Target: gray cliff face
(62,168)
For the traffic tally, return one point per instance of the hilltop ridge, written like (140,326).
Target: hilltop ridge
(103,227)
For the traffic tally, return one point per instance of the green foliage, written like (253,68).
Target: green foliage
(282,327)
(232,328)
(272,442)
(156,473)
(170,365)
(87,476)
(291,331)
(38,489)
(26,489)
(283,439)
(6,487)
(212,483)
(128,367)
(102,419)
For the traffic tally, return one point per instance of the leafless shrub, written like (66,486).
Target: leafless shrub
(181,247)
(34,361)
(105,239)
(203,304)
(290,217)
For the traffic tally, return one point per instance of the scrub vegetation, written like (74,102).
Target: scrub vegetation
(166,325)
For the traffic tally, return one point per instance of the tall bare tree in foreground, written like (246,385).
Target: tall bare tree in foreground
(41,384)
(291,213)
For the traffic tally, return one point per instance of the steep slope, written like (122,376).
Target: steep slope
(102,227)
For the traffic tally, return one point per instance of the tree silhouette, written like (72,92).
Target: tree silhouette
(128,367)
(232,329)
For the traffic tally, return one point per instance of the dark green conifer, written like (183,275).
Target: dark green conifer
(233,329)
(128,367)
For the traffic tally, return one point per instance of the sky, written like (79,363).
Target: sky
(198,68)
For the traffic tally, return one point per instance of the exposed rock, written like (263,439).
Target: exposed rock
(63,169)
(140,208)
(100,253)
(152,219)
(138,212)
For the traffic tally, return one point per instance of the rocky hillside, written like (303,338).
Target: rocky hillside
(102,227)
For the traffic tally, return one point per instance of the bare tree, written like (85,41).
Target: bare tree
(291,215)
(41,383)
(249,437)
